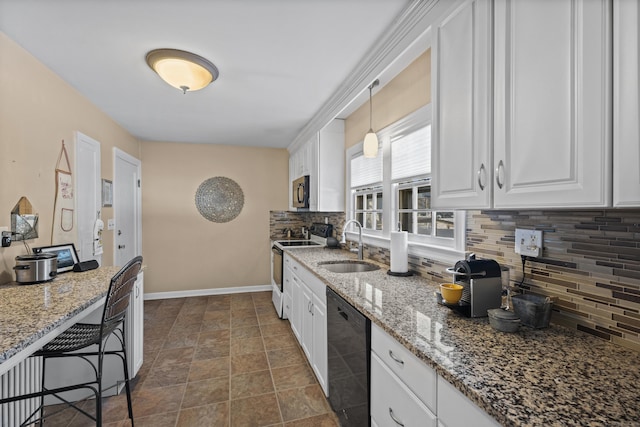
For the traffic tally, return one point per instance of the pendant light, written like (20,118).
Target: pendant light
(370,144)
(183,70)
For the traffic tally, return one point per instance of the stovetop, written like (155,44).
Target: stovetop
(298,243)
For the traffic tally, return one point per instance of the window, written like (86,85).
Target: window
(394,190)
(366,188)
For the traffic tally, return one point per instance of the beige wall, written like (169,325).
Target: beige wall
(183,250)
(408,91)
(38,110)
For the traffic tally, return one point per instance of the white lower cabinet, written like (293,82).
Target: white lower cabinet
(455,409)
(403,388)
(405,391)
(309,318)
(134,327)
(392,403)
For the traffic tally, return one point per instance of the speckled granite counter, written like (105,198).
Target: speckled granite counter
(552,377)
(28,313)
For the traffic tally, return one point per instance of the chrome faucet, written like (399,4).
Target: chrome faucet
(344,238)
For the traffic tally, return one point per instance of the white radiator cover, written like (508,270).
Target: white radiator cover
(22,379)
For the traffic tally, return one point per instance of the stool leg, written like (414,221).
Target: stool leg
(127,386)
(99,394)
(44,359)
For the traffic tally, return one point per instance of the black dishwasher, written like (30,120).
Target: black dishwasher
(349,361)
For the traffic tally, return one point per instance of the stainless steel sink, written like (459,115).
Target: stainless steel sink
(348,266)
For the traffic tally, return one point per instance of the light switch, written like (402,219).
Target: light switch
(111,224)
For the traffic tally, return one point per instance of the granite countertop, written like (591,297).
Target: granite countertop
(29,312)
(554,376)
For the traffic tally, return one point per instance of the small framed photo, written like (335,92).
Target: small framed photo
(67,255)
(107,193)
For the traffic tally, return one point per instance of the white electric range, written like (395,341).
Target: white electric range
(318,234)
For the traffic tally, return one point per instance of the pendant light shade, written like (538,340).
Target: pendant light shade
(183,70)
(370,144)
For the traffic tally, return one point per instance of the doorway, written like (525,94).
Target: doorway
(127,202)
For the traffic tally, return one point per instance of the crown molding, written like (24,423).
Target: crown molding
(412,23)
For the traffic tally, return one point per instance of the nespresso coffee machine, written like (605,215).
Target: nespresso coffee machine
(482,283)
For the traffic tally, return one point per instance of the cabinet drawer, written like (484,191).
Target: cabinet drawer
(419,377)
(393,404)
(455,409)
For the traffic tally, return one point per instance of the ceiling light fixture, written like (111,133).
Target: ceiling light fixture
(370,144)
(183,70)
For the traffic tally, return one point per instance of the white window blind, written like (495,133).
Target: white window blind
(366,171)
(411,154)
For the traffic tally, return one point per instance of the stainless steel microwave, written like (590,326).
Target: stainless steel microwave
(301,192)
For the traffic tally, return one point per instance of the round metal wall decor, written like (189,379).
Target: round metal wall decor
(219,199)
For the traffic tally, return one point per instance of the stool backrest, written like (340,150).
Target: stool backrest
(120,288)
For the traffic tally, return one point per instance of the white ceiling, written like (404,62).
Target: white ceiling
(279,60)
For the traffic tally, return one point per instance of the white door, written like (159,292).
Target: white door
(462,113)
(88,194)
(127,207)
(552,134)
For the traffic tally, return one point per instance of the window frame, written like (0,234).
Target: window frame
(438,248)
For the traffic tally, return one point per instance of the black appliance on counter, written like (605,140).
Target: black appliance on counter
(482,282)
(349,361)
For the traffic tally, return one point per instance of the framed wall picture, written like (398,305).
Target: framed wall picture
(67,255)
(107,193)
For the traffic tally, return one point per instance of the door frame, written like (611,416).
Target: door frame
(119,155)
(81,138)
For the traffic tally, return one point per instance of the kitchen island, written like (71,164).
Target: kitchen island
(32,315)
(553,376)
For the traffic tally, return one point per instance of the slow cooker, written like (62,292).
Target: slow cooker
(36,268)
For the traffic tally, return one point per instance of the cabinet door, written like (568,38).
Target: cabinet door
(297,307)
(306,332)
(329,169)
(462,107)
(455,409)
(626,111)
(392,404)
(134,324)
(319,343)
(552,103)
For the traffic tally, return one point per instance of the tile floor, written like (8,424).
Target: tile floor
(224,360)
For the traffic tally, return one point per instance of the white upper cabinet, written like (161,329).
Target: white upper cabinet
(541,136)
(552,104)
(461,88)
(322,158)
(626,111)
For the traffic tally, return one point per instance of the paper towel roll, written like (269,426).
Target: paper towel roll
(399,248)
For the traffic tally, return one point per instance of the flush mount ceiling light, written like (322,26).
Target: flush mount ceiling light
(183,70)
(370,144)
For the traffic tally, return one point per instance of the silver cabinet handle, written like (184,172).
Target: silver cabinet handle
(309,306)
(395,420)
(498,169)
(481,176)
(393,356)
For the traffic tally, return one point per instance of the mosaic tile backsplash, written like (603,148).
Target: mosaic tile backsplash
(590,262)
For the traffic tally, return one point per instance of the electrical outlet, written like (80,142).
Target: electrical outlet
(528,242)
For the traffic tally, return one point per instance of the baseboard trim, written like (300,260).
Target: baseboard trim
(205,292)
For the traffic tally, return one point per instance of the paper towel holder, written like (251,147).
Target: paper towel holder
(407,274)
